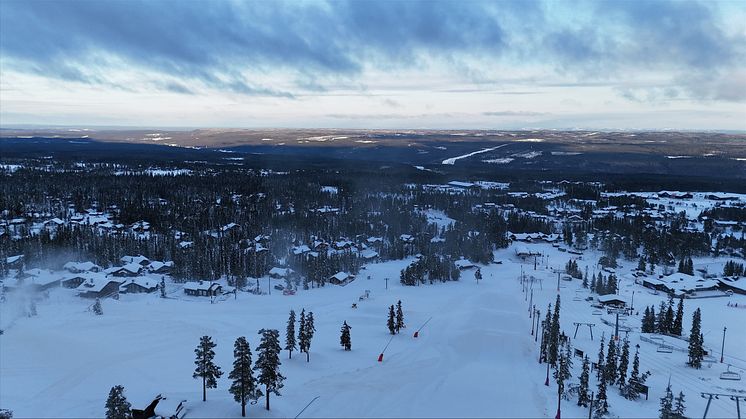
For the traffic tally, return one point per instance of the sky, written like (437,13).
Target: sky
(633,64)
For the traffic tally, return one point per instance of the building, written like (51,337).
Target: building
(202,289)
(279,273)
(341,278)
(613,300)
(158,267)
(97,287)
(139,285)
(128,270)
(79,267)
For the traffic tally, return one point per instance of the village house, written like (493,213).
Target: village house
(97,287)
(341,278)
(129,270)
(280,273)
(158,267)
(78,267)
(138,285)
(202,288)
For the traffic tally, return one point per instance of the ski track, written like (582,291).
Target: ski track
(452,160)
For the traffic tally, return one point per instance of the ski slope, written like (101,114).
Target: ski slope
(475,358)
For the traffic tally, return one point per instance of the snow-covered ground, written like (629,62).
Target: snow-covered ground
(452,160)
(475,358)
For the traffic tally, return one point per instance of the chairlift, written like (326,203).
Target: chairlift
(664,349)
(597,312)
(730,375)
(577,299)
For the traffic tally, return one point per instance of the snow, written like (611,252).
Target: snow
(330,189)
(452,160)
(475,358)
(503,160)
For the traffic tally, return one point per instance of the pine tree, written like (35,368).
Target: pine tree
(593,283)
(243,387)
(268,363)
(610,368)
(546,325)
(206,368)
(670,316)
(97,308)
(583,396)
(117,406)
(660,321)
(310,329)
(302,336)
(345,339)
(666,410)
(632,390)
(585,280)
(391,322)
(641,264)
(399,316)
(601,404)
(600,363)
(563,371)
(679,410)
(290,335)
(554,334)
(652,324)
(696,351)
(162,287)
(623,364)
(645,327)
(678,322)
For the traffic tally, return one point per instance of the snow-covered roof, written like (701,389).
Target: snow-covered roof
(612,297)
(80,266)
(13,259)
(156,264)
(369,254)
(281,272)
(96,284)
(134,259)
(340,276)
(463,263)
(297,250)
(141,281)
(200,285)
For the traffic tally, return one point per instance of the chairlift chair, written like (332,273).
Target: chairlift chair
(664,349)
(597,312)
(730,375)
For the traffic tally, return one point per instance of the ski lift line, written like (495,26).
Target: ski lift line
(387,344)
(304,409)
(426,322)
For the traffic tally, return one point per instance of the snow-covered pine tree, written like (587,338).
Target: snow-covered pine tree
(399,316)
(391,322)
(610,367)
(554,334)
(593,283)
(623,364)
(243,387)
(310,329)
(585,279)
(696,351)
(600,362)
(670,316)
(206,368)
(583,396)
(632,390)
(666,409)
(564,369)
(162,287)
(97,308)
(117,406)
(268,363)
(641,264)
(302,336)
(678,327)
(546,325)
(679,409)
(345,339)
(601,404)
(290,335)
(644,327)
(660,320)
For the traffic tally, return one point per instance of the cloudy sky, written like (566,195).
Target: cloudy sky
(401,64)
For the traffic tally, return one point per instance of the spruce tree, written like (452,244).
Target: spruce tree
(117,406)
(660,321)
(554,334)
(610,367)
(696,351)
(645,327)
(632,390)
(290,335)
(678,321)
(546,325)
(391,322)
(243,387)
(652,324)
(302,336)
(563,371)
(162,287)
(641,264)
(206,368)
(593,283)
(670,316)
(399,316)
(600,362)
(679,409)
(97,308)
(310,329)
(666,410)
(585,280)
(601,404)
(583,396)
(345,339)
(623,364)
(268,363)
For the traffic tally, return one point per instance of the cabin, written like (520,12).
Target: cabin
(737,286)
(464,264)
(129,270)
(524,252)
(612,300)
(73,280)
(139,285)
(97,287)
(202,289)
(14,261)
(341,278)
(369,254)
(158,267)
(280,273)
(140,260)
(79,267)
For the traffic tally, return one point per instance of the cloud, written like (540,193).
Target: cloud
(514,113)
(246,47)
